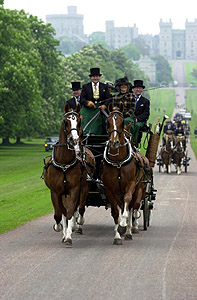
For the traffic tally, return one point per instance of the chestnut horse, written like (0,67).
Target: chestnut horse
(167,152)
(121,175)
(65,174)
(178,153)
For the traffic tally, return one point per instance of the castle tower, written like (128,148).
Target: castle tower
(165,39)
(67,24)
(191,40)
(109,33)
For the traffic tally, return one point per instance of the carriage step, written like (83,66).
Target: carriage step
(146,181)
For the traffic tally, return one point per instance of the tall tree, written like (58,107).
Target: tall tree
(163,70)
(194,72)
(19,70)
(131,52)
(31,86)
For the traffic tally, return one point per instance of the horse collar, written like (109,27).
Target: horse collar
(64,167)
(118,164)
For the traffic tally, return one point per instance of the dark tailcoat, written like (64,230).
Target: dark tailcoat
(87,94)
(142,109)
(72,102)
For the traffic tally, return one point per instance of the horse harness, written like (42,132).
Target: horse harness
(118,164)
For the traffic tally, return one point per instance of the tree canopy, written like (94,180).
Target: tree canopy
(30,88)
(131,52)
(163,69)
(194,72)
(35,78)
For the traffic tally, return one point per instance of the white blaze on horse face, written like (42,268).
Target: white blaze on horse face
(73,121)
(115,128)
(75,136)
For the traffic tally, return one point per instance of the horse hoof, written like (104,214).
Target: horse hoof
(57,227)
(121,230)
(79,231)
(135,230)
(128,237)
(117,242)
(67,242)
(80,221)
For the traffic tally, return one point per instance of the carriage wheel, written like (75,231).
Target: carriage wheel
(145,213)
(186,163)
(146,208)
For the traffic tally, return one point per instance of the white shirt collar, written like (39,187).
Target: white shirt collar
(97,84)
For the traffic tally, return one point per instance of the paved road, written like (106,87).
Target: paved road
(179,72)
(159,264)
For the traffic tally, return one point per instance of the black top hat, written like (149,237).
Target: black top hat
(122,81)
(76,85)
(95,72)
(138,83)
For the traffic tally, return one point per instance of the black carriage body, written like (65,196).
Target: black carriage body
(96,196)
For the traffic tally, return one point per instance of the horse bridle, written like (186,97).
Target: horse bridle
(115,112)
(67,132)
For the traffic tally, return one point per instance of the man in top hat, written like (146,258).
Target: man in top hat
(76,90)
(142,109)
(94,95)
(169,128)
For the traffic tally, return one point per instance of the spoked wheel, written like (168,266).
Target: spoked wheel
(145,213)
(185,162)
(146,208)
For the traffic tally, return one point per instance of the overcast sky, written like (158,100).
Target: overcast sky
(146,14)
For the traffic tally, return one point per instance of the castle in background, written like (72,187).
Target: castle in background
(176,43)
(118,37)
(170,43)
(70,24)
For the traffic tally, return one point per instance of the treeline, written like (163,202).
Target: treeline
(35,78)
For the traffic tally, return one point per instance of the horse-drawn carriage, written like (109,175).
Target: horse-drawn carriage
(173,152)
(99,171)
(97,193)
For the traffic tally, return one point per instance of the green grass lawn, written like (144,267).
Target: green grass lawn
(191,104)
(162,102)
(23,194)
(188,69)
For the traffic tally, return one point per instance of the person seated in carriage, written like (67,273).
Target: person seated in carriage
(76,91)
(94,96)
(169,128)
(123,86)
(179,131)
(142,110)
(136,107)
(111,87)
